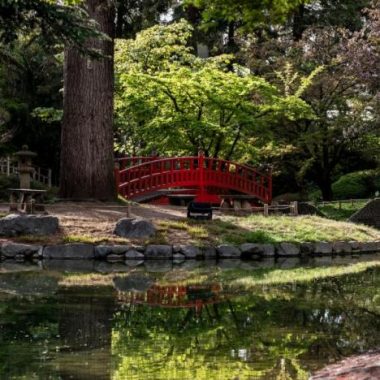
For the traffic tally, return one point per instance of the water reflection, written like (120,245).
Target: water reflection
(154,326)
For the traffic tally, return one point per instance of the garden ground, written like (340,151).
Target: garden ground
(94,223)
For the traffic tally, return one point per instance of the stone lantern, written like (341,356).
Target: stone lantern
(25,168)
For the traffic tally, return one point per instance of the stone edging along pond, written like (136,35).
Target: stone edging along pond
(81,251)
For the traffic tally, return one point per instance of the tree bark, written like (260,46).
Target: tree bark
(87,129)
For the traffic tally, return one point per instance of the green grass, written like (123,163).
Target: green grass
(272,229)
(341,212)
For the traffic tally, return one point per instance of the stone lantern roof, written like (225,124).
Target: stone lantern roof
(25,152)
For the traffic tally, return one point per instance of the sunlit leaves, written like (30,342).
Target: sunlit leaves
(171,100)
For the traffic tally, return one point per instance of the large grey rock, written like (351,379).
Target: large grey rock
(342,247)
(11,250)
(132,254)
(228,251)
(369,246)
(134,228)
(288,249)
(40,225)
(369,214)
(190,251)
(250,250)
(307,248)
(159,252)
(209,253)
(102,251)
(268,250)
(75,251)
(322,248)
(361,367)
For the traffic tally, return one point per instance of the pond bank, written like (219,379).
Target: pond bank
(83,251)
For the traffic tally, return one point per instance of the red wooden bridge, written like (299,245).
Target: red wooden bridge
(210,179)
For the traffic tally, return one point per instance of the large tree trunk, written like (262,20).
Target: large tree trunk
(87,130)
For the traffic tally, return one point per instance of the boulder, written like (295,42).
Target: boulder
(249,250)
(12,250)
(307,248)
(102,251)
(190,251)
(228,251)
(75,251)
(288,249)
(369,214)
(40,225)
(159,252)
(322,248)
(267,250)
(209,253)
(369,246)
(361,367)
(134,228)
(132,254)
(342,247)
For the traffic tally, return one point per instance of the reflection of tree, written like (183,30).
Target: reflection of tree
(85,325)
(284,332)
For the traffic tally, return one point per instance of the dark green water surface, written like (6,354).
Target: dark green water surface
(164,322)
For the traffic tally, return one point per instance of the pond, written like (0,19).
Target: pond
(191,322)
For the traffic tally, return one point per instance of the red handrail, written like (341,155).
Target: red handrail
(142,175)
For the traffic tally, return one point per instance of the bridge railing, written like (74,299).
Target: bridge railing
(152,174)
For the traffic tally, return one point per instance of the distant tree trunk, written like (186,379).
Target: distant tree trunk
(87,130)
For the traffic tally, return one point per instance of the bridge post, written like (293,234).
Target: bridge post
(201,173)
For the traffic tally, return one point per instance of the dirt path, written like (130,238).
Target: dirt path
(99,219)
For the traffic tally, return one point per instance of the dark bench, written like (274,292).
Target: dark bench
(199,210)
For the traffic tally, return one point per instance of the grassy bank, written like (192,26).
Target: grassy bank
(272,229)
(341,211)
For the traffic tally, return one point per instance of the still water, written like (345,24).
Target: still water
(179,322)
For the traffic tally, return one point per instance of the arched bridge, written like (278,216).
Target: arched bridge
(209,177)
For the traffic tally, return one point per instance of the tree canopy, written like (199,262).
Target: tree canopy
(171,100)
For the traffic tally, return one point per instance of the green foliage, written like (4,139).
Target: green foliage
(5,184)
(341,211)
(169,99)
(250,13)
(356,185)
(56,23)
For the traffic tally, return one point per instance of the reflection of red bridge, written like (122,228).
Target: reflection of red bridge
(209,179)
(176,296)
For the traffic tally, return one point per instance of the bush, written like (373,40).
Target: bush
(13,182)
(5,184)
(357,185)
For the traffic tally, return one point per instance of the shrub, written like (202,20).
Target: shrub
(356,185)
(5,184)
